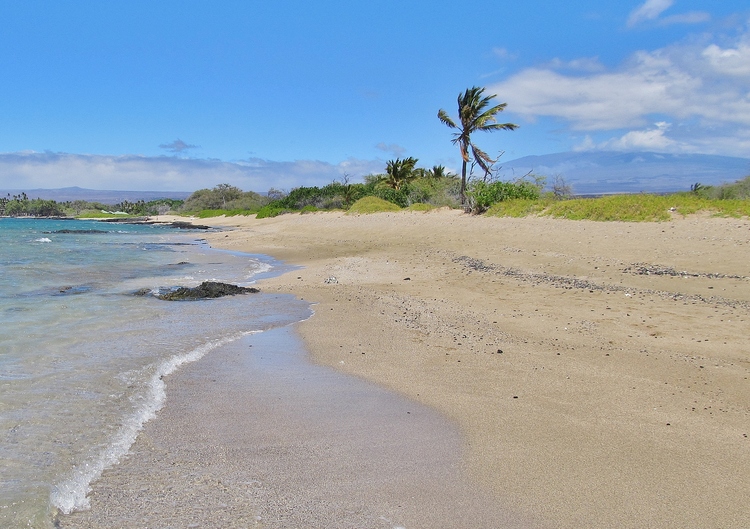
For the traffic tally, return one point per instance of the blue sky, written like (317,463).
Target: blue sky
(182,95)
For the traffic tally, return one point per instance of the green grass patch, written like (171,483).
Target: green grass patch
(101,215)
(627,208)
(419,206)
(518,208)
(270,211)
(372,204)
(689,203)
(208,213)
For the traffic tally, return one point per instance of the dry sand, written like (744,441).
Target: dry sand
(597,372)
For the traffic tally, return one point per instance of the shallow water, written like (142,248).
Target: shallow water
(81,358)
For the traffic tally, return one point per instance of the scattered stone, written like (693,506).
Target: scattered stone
(331,280)
(645,269)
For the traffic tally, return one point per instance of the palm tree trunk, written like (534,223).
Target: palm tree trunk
(463,183)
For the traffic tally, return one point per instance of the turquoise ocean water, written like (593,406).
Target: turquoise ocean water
(81,357)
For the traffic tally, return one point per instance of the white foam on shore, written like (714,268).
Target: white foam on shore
(71,494)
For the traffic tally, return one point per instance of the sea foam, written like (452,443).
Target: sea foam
(72,493)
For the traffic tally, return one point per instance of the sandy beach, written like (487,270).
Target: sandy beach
(595,374)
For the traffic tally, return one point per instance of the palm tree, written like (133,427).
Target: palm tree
(439,171)
(399,171)
(474,116)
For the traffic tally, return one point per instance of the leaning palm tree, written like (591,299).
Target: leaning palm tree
(474,116)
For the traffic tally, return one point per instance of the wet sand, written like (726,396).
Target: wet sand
(254,435)
(597,373)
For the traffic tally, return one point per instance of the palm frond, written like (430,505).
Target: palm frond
(445,118)
(492,127)
(482,158)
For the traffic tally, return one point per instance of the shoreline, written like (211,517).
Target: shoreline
(632,407)
(589,391)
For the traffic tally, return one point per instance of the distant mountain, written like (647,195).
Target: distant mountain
(617,172)
(95,195)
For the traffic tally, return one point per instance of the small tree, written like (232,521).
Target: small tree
(398,172)
(227,192)
(560,188)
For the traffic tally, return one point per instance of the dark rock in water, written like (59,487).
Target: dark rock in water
(71,290)
(127,220)
(187,226)
(142,292)
(206,290)
(86,232)
(179,224)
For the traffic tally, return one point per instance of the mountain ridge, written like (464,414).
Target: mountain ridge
(600,172)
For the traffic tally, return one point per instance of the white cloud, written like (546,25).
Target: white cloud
(730,61)
(32,170)
(652,9)
(651,139)
(602,101)
(649,10)
(699,87)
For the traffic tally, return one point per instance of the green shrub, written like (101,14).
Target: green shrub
(372,204)
(225,197)
(308,209)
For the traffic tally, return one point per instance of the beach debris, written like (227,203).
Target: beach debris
(206,290)
(331,281)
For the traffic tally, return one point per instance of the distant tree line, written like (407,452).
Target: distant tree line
(21,206)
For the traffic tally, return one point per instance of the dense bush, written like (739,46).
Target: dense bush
(223,197)
(482,194)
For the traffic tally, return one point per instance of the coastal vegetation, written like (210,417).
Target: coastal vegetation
(423,190)
(405,185)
